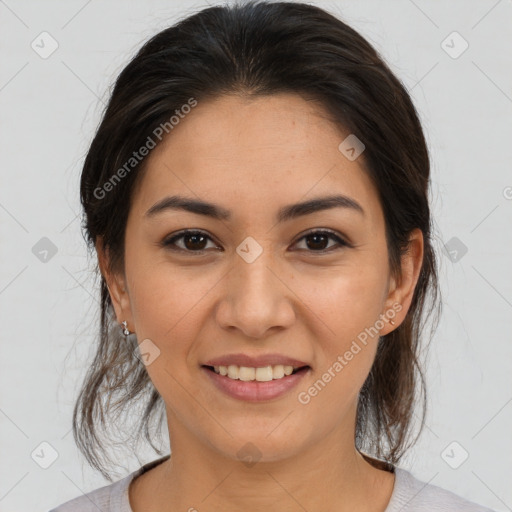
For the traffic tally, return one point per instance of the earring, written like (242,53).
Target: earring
(392,322)
(126,332)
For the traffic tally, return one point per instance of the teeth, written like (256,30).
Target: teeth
(263,374)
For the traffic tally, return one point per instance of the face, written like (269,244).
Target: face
(314,286)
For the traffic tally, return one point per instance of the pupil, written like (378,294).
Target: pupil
(194,237)
(316,237)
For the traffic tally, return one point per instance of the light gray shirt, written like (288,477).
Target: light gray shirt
(409,495)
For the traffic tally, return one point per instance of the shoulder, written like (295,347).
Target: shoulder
(110,498)
(413,495)
(107,499)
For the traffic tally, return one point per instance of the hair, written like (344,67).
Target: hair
(257,49)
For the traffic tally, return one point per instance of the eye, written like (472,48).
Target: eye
(193,241)
(316,240)
(196,241)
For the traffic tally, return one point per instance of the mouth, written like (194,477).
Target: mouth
(261,374)
(255,384)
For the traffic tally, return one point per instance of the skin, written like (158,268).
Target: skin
(253,157)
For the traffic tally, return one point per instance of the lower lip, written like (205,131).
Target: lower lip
(254,391)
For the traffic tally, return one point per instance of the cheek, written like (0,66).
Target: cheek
(163,292)
(346,340)
(347,300)
(168,309)
(346,305)
(167,302)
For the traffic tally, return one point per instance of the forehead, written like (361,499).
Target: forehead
(245,153)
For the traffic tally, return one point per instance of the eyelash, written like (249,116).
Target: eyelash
(182,234)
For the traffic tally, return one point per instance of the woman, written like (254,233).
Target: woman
(257,195)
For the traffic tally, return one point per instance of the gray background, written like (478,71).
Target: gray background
(48,302)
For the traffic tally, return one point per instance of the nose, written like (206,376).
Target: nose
(256,298)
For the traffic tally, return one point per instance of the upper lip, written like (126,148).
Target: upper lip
(255,361)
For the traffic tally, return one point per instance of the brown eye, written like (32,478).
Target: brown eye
(193,241)
(316,241)
(196,242)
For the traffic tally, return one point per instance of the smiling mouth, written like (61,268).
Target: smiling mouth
(263,374)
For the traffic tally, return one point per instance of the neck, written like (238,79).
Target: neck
(329,476)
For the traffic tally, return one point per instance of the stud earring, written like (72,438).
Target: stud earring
(392,322)
(126,332)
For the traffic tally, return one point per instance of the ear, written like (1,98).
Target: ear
(116,285)
(401,291)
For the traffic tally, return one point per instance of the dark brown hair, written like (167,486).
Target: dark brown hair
(258,49)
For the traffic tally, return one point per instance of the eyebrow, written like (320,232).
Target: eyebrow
(284,214)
